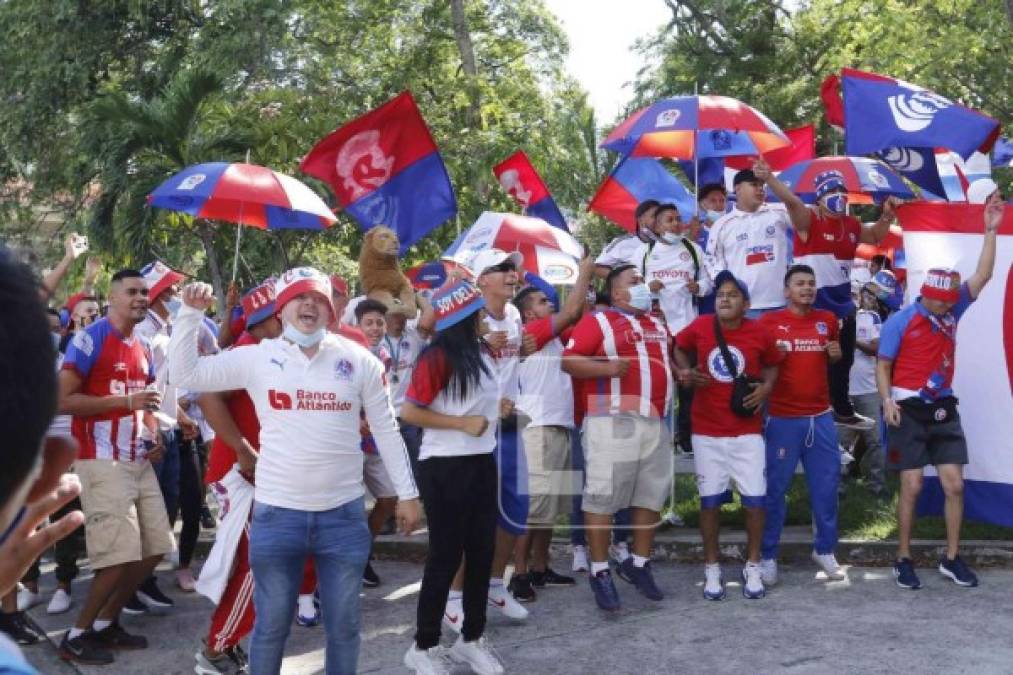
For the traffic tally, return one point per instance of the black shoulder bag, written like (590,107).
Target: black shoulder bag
(741,383)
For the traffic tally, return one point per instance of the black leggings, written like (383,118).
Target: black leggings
(840,373)
(459,496)
(191,498)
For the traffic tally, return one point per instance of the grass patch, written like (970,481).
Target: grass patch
(861,515)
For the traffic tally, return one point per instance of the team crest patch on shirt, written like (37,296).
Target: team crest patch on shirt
(940,414)
(343,369)
(770,230)
(717,367)
(684,256)
(821,328)
(782,453)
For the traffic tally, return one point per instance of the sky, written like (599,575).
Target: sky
(601,33)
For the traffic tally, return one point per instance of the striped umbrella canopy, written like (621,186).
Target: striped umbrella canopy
(684,127)
(864,178)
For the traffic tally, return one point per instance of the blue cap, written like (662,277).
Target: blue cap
(453,304)
(827,181)
(725,275)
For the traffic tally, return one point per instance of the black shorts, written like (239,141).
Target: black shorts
(926,436)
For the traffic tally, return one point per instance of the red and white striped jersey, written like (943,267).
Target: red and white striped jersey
(647,387)
(109,365)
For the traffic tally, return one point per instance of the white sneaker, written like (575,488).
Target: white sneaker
(846,456)
(306,614)
(752,581)
(619,552)
(27,598)
(674,519)
(768,572)
(60,602)
(828,563)
(501,599)
(713,585)
(580,563)
(426,661)
(453,615)
(478,654)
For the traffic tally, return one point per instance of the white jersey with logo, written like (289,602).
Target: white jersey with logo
(753,247)
(507,359)
(399,356)
(546,391)
(863,371)
(310,455)
(672,265)
(625,250)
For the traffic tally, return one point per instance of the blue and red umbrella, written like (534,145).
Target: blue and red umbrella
(684,127)
(243,193)
(864,178)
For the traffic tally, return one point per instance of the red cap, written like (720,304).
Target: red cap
(942,284)
(258,304)
(299,280)
(158,276)
(339,284)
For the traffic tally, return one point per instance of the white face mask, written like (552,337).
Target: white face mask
(670,238)
(640,297)
(305,340)
(714,215)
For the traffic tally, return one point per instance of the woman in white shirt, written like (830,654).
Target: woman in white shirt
(454,397)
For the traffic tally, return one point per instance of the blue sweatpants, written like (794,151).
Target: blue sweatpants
(814,441)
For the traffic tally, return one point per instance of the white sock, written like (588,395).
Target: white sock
(76,632)
(496,582)
(599,567)
(455,595)
(101,624)
(622,551)
(713,565)
(639,560)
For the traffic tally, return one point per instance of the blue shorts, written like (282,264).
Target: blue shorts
(512,466)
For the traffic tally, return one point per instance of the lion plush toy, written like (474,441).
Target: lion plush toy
(380,274)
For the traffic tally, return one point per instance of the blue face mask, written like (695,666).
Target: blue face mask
(172,305)
(56,340)
(640,297)
(836,203)
(670,238)
(713,216)
(305,340)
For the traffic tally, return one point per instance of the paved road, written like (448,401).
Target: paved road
(863,625)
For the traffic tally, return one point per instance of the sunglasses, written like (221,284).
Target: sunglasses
(505,266)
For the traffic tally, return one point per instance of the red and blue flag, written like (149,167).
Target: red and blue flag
(635,180)
(385,169)
(517,175)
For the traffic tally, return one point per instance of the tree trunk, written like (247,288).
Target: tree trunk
(204,230)
(464,45)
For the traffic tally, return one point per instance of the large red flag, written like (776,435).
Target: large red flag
(803,146)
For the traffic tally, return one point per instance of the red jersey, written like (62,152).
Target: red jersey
(801,389)
(829,250)
(752,348)
(647,387)
(353,333)
(240,405)
(109,365)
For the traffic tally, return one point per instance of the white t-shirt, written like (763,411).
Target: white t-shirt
(625,250)
(309,410)
(753,247)
(546,391)
(672,265)
(430,389)
(507,359)
(863,370)
(399,356)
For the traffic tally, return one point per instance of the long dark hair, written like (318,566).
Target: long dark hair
(461,347)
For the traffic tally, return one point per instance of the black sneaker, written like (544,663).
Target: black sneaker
(17,629)
(84,650)
(370,579)
(114,637)
(520,588)
(642,578)
(207,521)
(134,606)
(152,596)
(550,578)
(958,571)
(904,572)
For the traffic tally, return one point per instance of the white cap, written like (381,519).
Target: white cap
(479,261)
(980,190)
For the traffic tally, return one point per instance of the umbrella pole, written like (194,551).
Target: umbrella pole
(696,153)
(239,232)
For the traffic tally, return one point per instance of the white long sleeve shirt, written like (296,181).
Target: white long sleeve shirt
(310,456)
